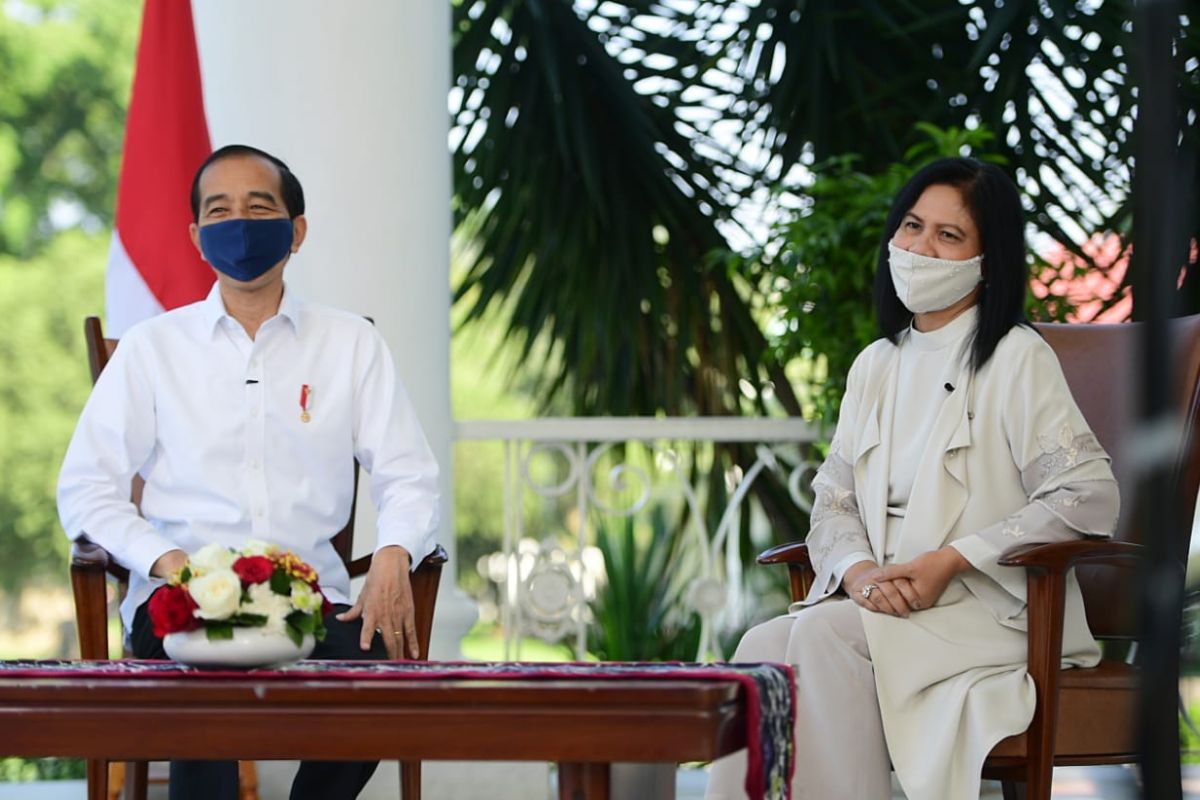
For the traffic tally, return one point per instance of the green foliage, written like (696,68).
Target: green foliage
(478,371)
(1189,738)
(30,770)
(639,612)
(67,67)
(819,264)
(1055,80)
(43,385)
(593,212)
(604,150)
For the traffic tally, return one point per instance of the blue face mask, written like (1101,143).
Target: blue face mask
(244,249)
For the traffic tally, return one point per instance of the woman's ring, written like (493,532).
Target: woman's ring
(866,590)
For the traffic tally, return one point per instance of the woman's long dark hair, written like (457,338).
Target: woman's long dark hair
(995,206)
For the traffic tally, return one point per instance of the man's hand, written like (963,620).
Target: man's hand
(169,562)
(922,580)
(885,595)
(386,604)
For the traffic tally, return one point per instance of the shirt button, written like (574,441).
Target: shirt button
(254,412)
(258,512)
(254,465)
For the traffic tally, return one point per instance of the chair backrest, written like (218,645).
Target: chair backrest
(1102,365)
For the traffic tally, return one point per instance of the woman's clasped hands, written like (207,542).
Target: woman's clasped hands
(901,588)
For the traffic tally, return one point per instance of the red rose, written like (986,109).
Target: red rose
(171,610)
(254,569)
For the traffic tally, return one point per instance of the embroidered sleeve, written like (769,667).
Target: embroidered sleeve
(1064,471)
(1071,493)
(836,528)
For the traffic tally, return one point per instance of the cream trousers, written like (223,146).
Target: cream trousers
(840,749)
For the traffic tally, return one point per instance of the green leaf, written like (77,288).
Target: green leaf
(218,631)
(295,634)
(281,583)
(302,622)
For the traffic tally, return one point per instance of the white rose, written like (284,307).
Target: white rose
(275,607)
(257,547)
(217,593)
(210,558)
(305,599)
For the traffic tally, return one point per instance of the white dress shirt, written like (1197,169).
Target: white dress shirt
(213,422)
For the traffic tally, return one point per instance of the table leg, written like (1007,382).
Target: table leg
(137,779)
(410,780)
(582,781)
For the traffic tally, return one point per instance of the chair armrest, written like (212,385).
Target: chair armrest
(1058,557)
(425,580)
(790,553)
(88,556)
(362,564)
(90,564)
(1046,568)
(800,570)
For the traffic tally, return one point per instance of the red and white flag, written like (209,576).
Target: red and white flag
(152,265)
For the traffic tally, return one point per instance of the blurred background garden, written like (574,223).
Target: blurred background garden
(662,208)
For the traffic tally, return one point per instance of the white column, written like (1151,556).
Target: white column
(353,97)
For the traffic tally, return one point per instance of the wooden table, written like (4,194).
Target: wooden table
(584,725)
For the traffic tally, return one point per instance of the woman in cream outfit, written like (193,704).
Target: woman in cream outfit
(957,439)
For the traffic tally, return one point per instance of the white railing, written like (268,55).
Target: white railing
(544,586)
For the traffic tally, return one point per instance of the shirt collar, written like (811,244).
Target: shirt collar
(290,307)
(956,330)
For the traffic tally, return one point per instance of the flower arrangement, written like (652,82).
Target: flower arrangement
(259,586)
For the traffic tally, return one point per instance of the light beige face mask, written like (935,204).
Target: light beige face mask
(924,283)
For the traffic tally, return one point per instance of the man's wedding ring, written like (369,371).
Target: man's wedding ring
(866,590)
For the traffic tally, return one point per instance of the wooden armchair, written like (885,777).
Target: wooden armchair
(1084,716)
(92,566)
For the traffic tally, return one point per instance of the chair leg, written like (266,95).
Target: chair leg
(247,780)
(137,779)
(583,781)
(1039,777)
(1013,790)
(410,780)
(98,779)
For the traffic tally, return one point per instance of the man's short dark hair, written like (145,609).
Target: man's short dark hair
(293,193)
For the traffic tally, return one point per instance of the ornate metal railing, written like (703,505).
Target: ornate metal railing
(586,470)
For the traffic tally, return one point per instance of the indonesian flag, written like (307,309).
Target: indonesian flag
(152,265)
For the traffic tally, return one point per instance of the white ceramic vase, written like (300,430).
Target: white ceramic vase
(249,647)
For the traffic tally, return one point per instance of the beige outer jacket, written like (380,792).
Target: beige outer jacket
(1010,461)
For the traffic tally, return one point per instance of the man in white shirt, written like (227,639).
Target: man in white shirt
(243,413)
